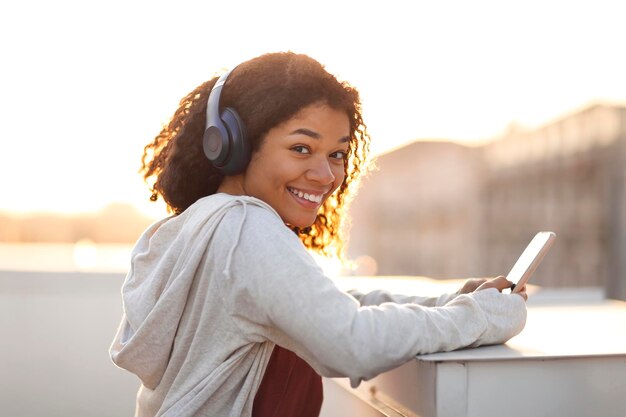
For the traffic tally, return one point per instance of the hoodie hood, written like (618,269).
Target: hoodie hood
(156,289)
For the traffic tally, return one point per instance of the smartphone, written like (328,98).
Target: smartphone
(530,259)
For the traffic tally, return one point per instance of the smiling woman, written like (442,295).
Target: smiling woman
(299,165)
(226,312)
(307,112)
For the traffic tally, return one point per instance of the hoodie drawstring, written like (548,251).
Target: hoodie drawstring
(232,249)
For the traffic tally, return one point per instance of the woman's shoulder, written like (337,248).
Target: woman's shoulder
(251,228)
(223,201)
(238,214)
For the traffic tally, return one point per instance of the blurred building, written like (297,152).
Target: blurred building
(445,210)
(419,213)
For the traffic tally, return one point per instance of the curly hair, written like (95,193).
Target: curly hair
(265,91)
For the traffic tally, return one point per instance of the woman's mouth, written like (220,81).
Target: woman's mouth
(314,198)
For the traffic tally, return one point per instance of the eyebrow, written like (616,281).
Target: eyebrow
(312,134)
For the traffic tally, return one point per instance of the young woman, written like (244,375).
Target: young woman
(225,311)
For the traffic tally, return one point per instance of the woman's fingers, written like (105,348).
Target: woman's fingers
(500,283)
(471,285)
(522,293)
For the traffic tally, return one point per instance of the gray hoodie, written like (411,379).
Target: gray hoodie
(212,290)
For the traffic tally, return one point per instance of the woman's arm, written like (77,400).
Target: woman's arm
(276,289)
(377,297)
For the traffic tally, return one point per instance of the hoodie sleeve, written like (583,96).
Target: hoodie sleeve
(275,288)
(377,297)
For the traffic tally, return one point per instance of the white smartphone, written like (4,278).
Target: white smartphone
(530,259)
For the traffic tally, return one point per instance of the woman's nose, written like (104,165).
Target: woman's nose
(320,171)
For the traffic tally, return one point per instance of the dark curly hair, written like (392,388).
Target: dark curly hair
(265,91)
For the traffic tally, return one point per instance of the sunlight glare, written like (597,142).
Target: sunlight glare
(85,255)
(430,70)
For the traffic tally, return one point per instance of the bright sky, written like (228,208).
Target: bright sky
(85,85)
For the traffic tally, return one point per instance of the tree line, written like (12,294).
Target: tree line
(116,223)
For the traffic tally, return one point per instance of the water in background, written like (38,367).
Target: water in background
(83,256)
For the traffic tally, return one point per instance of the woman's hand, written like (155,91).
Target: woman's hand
(471,285)
(500,283)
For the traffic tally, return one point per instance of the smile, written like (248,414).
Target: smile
(315,198)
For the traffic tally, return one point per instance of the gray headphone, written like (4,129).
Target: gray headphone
(224,141)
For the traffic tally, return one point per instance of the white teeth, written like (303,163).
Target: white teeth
(306,196)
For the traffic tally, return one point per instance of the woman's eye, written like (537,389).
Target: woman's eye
(301,149)
(338,155)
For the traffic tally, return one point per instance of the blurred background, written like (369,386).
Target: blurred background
(491,120)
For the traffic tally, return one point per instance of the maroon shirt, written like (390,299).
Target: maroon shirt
(290,387)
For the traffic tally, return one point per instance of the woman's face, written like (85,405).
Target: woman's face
(300,163)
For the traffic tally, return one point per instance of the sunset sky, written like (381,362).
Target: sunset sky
(86,85)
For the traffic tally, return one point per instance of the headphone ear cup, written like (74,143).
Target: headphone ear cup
(224,141)
(238,145)
(215,144)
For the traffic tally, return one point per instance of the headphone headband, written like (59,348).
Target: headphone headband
(212,108)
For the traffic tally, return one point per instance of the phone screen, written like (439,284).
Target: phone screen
(530,258)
